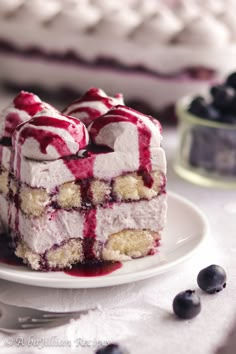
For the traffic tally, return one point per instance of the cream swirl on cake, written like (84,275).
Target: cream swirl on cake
(120,126)
(77,16)
(145,8)
(23,107)
(92,104)
(107,6)
(9,6)
(38,10)
(194,34)
(120,23)
(216,7)
(49,135)
(161,27)
(186,11)
(228,17)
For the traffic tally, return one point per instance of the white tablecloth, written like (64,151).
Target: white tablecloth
(139,315)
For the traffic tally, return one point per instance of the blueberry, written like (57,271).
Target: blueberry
(213,113)
(228,118)
(212,279)
(223,97)
(111,349)
(231,80)
(214,89)
(199,107)
(202,147)
(187,304)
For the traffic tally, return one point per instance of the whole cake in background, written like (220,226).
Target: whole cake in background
(83,185)
(153,51)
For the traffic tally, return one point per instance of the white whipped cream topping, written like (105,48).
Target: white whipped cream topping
(39,10)
(186,11)
(119,23)
(117,163)
(50,174)
(107,6)
(94,99)
(89,38)
(17,112)
(4,119)
(77,17)
(146,8)
(215,7)
(29,138)
(161,27)
(204,31)
(9,6)
(229,19)
(121,136)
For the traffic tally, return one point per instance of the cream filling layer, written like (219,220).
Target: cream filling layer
(53,228)
(159,94)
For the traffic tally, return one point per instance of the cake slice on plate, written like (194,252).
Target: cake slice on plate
(86,187)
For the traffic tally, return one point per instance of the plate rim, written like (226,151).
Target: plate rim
(14,275)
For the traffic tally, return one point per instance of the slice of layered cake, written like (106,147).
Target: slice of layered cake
(85,186)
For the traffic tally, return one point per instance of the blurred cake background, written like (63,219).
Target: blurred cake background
(154,51)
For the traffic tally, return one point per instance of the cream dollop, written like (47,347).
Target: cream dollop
(9,6)
(161,27)
(77,16)
(204,31)
(39,10)
(123,129)
(94,103)
(49,135)
(186,11)
(146,8)
(229,19)
(215,7)
(118,23)
(22,108)
(107,6)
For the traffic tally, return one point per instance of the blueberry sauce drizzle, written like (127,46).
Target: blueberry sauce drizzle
(28,102)
(93,269)
(147,177)
(90,113)
(126,114)
(88,269)
(12,121)
(25,102)
(89,214)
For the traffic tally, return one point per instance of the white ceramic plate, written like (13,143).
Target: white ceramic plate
(185,230)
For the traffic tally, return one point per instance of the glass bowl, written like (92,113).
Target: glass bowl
(206,152)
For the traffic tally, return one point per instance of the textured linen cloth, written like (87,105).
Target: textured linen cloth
(139,315)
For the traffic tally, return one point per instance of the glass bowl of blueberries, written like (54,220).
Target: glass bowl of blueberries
(206,153)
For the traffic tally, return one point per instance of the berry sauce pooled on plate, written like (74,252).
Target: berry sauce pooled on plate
(87,269)
(7,255)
